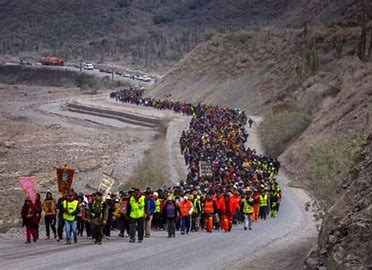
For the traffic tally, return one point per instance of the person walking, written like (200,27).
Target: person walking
(196,213)
(151,209)
(98,217)
(29,220)
(250,122)
(157,220)
(170,211)
(256,206)
(247,204)
(209,210)
(70,210)
(39,211)
(61,221)
(123,219)
(263,204)
(186,212)
(50,210)
(137,211)
(110,205)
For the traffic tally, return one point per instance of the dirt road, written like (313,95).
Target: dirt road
(256,248)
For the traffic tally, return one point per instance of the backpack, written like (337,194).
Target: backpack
(171,210)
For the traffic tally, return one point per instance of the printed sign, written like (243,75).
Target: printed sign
(106,184)
(205,168)
(49,207)
(29,185)
(65,177)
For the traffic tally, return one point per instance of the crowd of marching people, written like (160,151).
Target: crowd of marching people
(227,184)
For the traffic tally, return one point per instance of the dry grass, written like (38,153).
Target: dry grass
(280,128)
(153,170)
(330,157)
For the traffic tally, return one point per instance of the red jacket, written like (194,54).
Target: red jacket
(29,215)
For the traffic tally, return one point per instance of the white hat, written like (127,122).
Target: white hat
(156,194)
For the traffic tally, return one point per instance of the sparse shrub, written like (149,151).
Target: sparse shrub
(152,171)
(83,80)
(279,128)
(312,57)
(330,156)
(238,37)
(123,3)
(162,19)
(338,45)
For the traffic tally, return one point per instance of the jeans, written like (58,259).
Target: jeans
(61,224)
(137,224)
(124,224)
(70,228)
(50,221)
(185,224)
(247,220)
(148,225)
(107,228)
(263,212)
(98,233)
(171,227)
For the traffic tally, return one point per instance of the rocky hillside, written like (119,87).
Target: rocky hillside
(149,34)
(313,72)
(345,239)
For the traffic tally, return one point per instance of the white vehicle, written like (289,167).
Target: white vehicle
(88,66)
(146,79)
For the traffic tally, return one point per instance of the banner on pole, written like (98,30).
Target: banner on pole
(106,184)
(29,185)
(65,177)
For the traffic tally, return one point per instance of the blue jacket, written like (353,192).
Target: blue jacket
(151,206)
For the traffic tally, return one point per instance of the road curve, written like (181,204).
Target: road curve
(199,250)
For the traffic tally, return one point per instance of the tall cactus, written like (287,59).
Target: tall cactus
(364,52)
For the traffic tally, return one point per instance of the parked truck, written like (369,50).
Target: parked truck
(51,61)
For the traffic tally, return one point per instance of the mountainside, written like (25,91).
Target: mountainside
(315,80)
(149,34)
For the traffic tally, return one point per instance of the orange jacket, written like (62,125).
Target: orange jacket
(220,204)
(185,207)
(209,206)
(235,201)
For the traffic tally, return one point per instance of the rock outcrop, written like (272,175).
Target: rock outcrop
(345,239)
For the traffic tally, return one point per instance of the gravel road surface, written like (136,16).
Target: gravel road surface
(201,250)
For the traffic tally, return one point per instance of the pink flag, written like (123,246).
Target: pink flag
(29,185)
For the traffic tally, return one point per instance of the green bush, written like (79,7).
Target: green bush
(330,156)
(278,129)
(83,80)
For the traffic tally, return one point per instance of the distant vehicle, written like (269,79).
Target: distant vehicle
(127,75)
(88,66)
(51,61)
(24,62)
(146,79)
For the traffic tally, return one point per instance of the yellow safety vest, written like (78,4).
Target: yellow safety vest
(70,209)
(263,200)
(137,207)
(247,208)
(157,206)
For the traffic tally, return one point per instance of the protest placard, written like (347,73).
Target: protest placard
(29,185)
(106,184)
(65,177)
